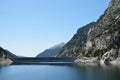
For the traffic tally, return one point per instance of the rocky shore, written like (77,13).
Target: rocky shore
(91,60)
(5,61)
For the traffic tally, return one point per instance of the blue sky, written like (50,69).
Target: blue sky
(27,27)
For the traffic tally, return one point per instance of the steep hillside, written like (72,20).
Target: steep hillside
(51,51)
(74,47)
(98,39)
(6,57)
(7,54)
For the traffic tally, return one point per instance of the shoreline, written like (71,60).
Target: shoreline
(95,60)
(83,60)
(5,61)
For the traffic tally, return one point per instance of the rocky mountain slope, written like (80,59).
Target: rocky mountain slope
(6,57)
(51,51)
(7,54)
(98,39)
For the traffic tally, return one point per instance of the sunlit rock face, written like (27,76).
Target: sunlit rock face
(5,61)
(97,39)
(6,58)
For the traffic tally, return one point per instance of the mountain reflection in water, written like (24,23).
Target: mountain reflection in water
(60,72)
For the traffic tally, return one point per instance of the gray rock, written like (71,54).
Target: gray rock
(98,39)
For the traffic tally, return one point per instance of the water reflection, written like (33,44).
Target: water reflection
(60,72)
(100,72)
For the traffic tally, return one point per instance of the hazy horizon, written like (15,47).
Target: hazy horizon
(30,26)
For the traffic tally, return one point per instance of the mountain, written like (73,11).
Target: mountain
(74,46)
(7,54)
(13,56)
(6,57)
(98,39)
(51,51)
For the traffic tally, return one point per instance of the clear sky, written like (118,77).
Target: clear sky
(27,27)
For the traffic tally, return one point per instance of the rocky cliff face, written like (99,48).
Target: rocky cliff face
(98,39)
(75,46)
(6,54)
(6,57)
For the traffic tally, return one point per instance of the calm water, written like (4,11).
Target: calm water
(59,72)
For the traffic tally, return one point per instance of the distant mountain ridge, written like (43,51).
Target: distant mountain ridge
(51,51)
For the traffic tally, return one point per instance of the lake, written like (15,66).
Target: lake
(59,72)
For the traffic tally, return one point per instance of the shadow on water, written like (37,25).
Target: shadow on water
(60,72)
(99,72)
